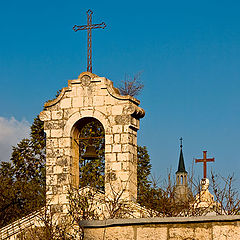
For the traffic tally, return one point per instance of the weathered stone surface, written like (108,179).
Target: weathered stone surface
(57,115)
(90,96)
(227,232)
(151,233)
(188,228)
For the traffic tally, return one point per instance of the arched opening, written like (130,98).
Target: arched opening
(181,179)
(87,132)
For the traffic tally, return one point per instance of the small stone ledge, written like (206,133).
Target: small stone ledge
(157,220)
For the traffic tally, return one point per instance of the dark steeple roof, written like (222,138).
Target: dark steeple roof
(181,165)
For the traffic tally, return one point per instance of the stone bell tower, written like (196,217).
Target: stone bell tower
(85,98)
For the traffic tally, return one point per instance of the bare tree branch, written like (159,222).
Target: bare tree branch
(131,85)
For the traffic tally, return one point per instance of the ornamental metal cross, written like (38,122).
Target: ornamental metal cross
(89,28)
(205,160)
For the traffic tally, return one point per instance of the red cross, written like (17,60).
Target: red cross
(205,160)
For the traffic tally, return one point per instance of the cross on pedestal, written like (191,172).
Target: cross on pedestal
(205,160)
(89,28)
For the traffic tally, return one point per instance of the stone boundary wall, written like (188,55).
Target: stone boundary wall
(180,228)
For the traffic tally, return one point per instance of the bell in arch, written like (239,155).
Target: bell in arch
(90,153)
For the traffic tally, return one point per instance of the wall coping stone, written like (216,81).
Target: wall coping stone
(158,220)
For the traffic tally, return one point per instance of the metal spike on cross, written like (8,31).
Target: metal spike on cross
(89,28)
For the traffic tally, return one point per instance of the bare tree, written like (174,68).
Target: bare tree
(131,85)
(226,194)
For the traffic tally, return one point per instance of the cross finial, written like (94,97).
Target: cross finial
(89,28)
(181,140)
(204,161)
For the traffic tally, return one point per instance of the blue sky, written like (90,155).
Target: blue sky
(188,51)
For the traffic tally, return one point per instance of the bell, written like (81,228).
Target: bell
(90,153)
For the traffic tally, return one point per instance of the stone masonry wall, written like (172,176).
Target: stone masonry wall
(91,96)
(192,228)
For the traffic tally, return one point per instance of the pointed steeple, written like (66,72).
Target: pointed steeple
(181,165)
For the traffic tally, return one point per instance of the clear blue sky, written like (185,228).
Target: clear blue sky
(189,52)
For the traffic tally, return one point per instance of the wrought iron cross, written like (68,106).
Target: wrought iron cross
(89,28)
(205,160)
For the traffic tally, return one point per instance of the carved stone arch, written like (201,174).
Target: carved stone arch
(75,151)
(102,118)
(72,129)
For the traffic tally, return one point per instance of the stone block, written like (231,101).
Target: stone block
(117,129)
(64,142)
(117,110)
(117,148)
(57,115)
(110,157)
(116,166)
(45,115)
(73,93)
(94,234)
(49,169)
(80,91)
(125,138)
(227,232)
(56,133)
(134,140)
(116,138)
(109,100)
(123,157)
(203,233)
(52,143)
(152,233)
(125,166)
(63,199)
(58,169)
(181,233)
(126,129)
(77,102)
(87,101)
(104,109)
(67,151)
(47,132)
(126,148)
(108,148)
(109,139)
(50,154)
(98,100)
(124,176)
(51,179)
(117,233)
(65,103)
(122,119)
(50,161)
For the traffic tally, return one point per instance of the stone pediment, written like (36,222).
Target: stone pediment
(90,90)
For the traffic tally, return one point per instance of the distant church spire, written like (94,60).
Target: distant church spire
(181,165)
(181,189)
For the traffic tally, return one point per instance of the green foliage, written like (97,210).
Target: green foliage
(23,178)
(22,188)
(143,171)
